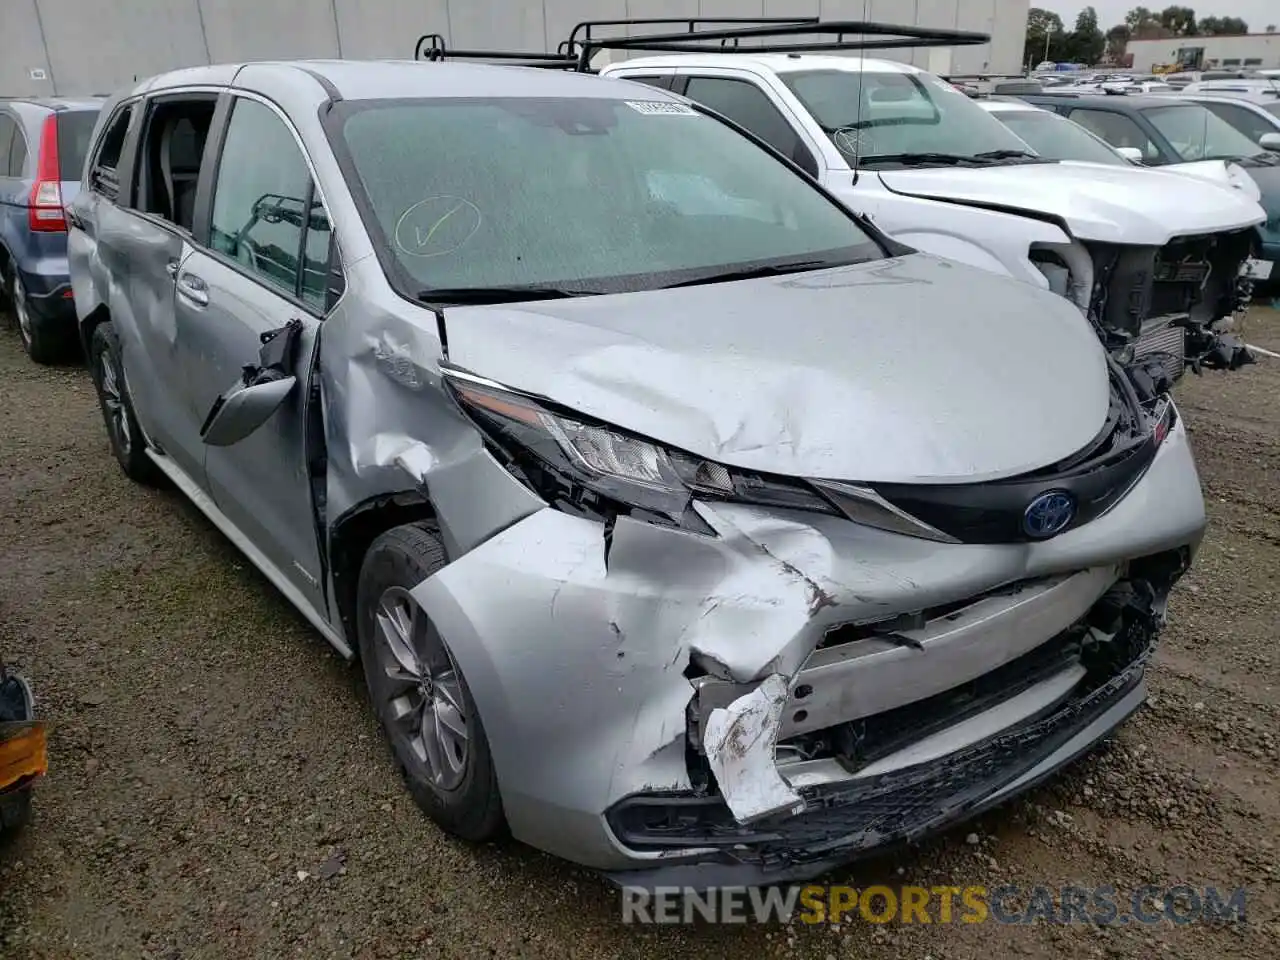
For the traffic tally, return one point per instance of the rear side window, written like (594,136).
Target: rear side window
(7,130)
(17,153)
(104,176)
(75,129)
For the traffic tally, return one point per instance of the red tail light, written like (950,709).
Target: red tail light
(44,210)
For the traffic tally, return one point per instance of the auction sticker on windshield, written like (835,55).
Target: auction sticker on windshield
(661,108)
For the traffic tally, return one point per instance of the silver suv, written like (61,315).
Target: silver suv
(685,524)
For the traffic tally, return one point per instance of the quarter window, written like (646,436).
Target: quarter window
(266,213)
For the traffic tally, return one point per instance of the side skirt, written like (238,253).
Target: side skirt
(245,545)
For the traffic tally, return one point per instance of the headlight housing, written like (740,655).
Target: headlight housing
(593,469)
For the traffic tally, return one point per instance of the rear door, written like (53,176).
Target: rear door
(261,264)
(143,229)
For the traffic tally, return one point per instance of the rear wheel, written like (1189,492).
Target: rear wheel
(117,408)
(41,338)
(418,692)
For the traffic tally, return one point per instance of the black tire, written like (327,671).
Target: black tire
(45,341)
(15,810)
(127,443)
(400,559)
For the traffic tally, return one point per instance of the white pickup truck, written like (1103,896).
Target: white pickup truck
(1153,269)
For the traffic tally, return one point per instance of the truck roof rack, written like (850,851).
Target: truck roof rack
(713,35)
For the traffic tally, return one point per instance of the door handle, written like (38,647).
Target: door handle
(193,288)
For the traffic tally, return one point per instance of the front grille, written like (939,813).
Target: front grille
(992,512)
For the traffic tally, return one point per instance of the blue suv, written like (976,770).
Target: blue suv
(42,150)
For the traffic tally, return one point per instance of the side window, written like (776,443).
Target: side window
(748,106)
(1244,120)
(1117,129)
(17,152)
(7,131)
(266,213)
(169,158)
(104,174)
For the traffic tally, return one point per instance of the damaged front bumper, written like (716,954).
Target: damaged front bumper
(797,690)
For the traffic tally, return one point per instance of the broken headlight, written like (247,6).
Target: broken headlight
(590,468)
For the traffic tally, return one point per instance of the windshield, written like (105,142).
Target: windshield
(870,116)
(588,195)
(1197,133)
(1058,138)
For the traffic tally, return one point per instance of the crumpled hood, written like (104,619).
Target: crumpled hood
(910,369)
(1097,202)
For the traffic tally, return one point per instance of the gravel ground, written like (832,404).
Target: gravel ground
(218,789)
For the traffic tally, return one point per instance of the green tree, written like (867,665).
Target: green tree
(1143,24)
(1179,21)
(1223,27)
(1046,37)
(1086,43)
(1117,41)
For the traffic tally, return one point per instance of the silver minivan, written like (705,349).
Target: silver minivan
(686,526)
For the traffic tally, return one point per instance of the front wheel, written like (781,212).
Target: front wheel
(418,692)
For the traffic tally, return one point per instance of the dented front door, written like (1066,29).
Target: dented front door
(262,269)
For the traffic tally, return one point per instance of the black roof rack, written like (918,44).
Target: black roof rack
(775,35)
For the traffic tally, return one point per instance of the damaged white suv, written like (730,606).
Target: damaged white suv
(685,525)
(1156,271)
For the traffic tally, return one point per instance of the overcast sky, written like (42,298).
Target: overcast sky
(1256,13)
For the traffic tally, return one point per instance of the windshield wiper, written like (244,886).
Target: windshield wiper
(917,159)
(1007,155)
(767,270)
(487,295)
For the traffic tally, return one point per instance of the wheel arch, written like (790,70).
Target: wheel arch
(350,537)
(99,315)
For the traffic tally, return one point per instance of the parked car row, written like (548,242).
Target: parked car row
(42,150)
(719,476)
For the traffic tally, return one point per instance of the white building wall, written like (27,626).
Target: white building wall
(73,47)
(1264,47)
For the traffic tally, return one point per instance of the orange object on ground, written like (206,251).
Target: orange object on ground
(23,754)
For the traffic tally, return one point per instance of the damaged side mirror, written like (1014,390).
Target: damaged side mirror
(243,409)
(262,387)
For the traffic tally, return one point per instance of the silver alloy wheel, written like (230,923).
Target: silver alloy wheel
(20,309)
(113,400)
(420,700)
